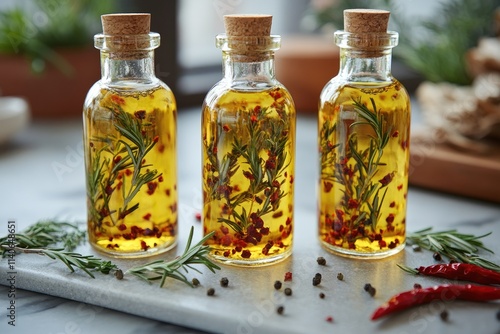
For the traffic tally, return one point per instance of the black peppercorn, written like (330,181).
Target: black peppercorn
(321,295)
(317,279)
(288,291)
(211,292)
(370,289)
(444,315)
(119,274)
(277,285)
(417,286)
(340,276)
(416,248)
(224,282)
(280,309)
(437,256)
(321,261)
(195,281)
(498,315)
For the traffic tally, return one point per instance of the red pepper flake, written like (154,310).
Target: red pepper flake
(352,203)
(173,208)
(109,190)
(128,172)
(226,128)
(288,276)
(328,186)
(246,254)
(122,227)
(152,187)
(144,245)
(271,162)
(393,204)
(117,159)
(248,175)
(140,114)
(329,318)
(291,179)
(167,192)
(395,134)
(278,214)
(156,138)
(118,100)
(382,244)
(400,187)
(224,229)
(386,179)
(146,216)
(197,216)
(160,178)
(390,218)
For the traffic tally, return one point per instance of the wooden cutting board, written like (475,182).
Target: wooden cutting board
(441,167)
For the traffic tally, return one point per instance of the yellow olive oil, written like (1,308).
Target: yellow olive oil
(131,170)
(248,175)
(364,133)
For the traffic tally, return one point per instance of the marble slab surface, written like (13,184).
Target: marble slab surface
(31,189)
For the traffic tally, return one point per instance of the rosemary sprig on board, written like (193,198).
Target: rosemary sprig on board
(56,240)
(453,245)
(161,270)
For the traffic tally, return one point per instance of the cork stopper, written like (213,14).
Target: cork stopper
(127,35)
(249,36)
(126,24)
(248,25)
(365,30)
(366,20)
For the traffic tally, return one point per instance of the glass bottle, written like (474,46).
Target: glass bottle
(364,133)
(248,144)
(129,126)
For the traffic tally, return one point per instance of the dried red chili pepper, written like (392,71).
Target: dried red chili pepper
(447,292)
(458,271)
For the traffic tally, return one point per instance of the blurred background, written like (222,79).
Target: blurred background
(42,40)
(448,58)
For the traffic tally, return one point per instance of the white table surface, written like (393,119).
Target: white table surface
(31,189)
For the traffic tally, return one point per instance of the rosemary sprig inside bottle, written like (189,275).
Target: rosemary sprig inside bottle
(363,196)
(161,270)
(56,240)
(453,245)
(265,176)
(129,153)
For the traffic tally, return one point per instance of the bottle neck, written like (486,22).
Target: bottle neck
(365,67)
(244,72)
(127,69)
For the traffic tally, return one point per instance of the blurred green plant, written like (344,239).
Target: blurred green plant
(37,31)
(434,46)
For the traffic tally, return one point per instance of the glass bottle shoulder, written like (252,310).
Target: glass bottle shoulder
(224,97)
(339,90)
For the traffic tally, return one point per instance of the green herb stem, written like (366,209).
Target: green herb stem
(161,270)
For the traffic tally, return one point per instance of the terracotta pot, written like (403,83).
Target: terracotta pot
(304,64)
(51,94)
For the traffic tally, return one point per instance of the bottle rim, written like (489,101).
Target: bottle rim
(366,41)
(127,43)
(248,43)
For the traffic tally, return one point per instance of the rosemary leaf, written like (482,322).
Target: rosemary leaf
(453,245)
(162,269)
(37,238)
